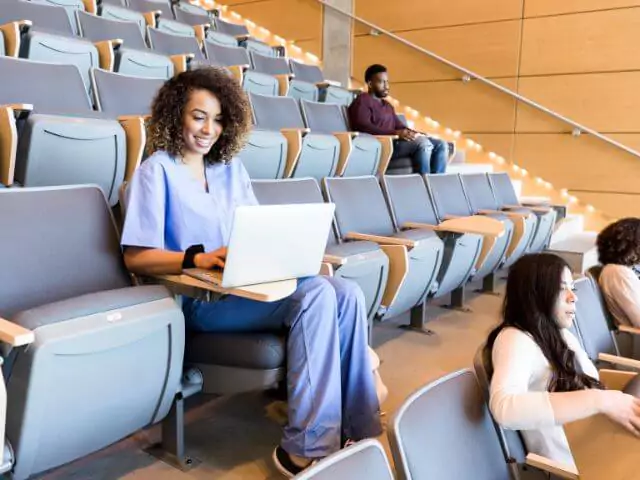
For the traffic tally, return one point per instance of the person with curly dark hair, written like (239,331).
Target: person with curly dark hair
(619,253)
(179,212)
(542,377)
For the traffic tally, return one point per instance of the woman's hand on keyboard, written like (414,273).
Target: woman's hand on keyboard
(211,260)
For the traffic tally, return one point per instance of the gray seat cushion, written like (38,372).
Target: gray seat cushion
(259,351)
(348,249)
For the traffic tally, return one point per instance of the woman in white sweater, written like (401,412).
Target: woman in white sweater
(619,252)
(542,378)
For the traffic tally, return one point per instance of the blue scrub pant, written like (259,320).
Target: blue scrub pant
(331,387)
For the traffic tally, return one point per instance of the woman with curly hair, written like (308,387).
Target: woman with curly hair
(619,252)
(542,377)
(179,213)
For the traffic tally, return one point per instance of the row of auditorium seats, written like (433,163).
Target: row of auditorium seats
(92,325)
(142,38)
(428,431)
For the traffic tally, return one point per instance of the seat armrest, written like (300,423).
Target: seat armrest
(90,6)
(238,71)
(152,18)
(356,90)
(12,33)
(181,62)
(533,208)
(283,83)
(616,379)
(507,213)
(106,49)
(621,361)
(326,269)
(242,38)
(294,147)
(549,466)
(488,227)
(381,240)
(15,335)
(386,141)
(328,83)
(334,259)
(201,32)
(398,269)
(629,329)
(346,147)
(136,133)
(263,292)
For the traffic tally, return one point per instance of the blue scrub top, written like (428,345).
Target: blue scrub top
(167,208)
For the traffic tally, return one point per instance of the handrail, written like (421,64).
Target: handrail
(468,75)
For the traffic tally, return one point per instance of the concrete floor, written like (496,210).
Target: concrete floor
(233,437)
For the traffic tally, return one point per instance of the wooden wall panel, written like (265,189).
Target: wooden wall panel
(606,102)
(615,205)
(313,45)
(535,8)
(466,107)
(589,42)
(582,163)
(291,19)
(416,14)
(490,49)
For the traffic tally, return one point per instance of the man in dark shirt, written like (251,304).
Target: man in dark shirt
(371,113)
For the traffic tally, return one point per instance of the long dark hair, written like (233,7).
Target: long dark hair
(533,288)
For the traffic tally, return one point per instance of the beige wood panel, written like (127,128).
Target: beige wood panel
(313,45)
(415,14)
(589,42)
(290,19)
(535,8)
(490,49)
(606,102)
(583,163)
(471,107)
(615,205)
(500,143)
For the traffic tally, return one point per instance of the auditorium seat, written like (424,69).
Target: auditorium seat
(309,154)
(117,94)
(310,77)
(191,14)
(144,6)
(361,261)
(481,199)
(74,383)
(277,67)
(359,153)
(62,140)
(70,7)
(450,201)
(364,459)
(114,10)
(507,199)
(415,256)
(241,34)
(49,36)
(132,56)
(410,206)
(439,421)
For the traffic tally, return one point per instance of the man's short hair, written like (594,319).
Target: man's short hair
(372,71)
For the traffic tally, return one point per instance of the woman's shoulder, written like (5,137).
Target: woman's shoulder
(514,338)
(613,271)
(159,158)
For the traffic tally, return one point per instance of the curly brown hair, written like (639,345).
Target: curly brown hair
(164,130)
(619,243)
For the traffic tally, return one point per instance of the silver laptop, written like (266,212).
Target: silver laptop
(272,242)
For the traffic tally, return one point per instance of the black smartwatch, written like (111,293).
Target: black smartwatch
(190,254)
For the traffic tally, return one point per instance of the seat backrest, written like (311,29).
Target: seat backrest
(170,44)
(51,18)
(117,94)
(97,29)
(448,194)
(402,118)
(72,244)
(306,73)
(191,16)
(233,29)
(479,192)
(70,7)
(409,199)
(115,11)
(512,444)
(323,117)
(223,39)
(591,320)
(275,113)
(144,6)
(270,65)
(226,56)
(290,191)
(503,189)
(176,28)
(437,423)
(21,82)
(365,459)
(360,205)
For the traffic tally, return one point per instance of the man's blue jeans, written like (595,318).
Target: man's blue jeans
(428,155)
